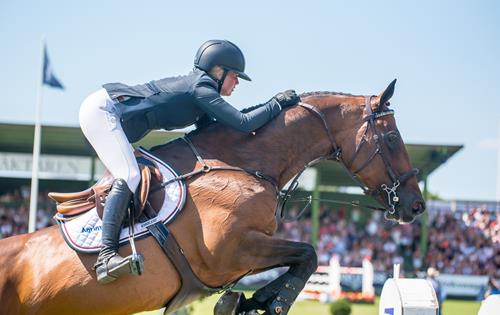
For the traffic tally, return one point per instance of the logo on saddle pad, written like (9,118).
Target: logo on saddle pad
(91,229)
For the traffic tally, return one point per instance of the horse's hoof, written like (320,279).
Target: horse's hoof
(228,303)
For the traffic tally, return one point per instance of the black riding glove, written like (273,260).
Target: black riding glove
(287,98)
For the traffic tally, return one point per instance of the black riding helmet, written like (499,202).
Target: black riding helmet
(221,53)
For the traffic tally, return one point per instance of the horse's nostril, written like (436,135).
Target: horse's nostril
(418,206)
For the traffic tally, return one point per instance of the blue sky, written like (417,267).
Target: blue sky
(445,54)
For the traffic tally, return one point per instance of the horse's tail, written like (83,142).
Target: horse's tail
(10,248)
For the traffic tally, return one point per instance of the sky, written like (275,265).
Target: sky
(445,55)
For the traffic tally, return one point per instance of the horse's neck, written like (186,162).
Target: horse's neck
(281,148)
(305,138)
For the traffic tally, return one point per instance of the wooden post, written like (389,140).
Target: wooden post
(424,233)
(315,212)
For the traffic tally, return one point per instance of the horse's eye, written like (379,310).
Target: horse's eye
(392,140)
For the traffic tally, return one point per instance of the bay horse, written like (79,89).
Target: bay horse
(227,224)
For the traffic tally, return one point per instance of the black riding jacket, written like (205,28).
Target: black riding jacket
(178,102)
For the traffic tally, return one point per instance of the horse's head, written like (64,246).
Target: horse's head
(371,148)
(383,165)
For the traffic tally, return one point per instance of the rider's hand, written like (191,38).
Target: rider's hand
(287,98)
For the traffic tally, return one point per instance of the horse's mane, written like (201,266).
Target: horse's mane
(325,93)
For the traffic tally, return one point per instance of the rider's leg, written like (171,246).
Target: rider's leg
(101,125)
(110,265)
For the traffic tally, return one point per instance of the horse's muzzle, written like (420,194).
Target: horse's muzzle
(409,207)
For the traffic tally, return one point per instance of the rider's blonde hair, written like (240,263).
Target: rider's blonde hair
(216,72)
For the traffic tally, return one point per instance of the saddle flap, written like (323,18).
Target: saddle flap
(63,197)
(144,187)
(72,204)
(76,206)
(150,174)
(88,199)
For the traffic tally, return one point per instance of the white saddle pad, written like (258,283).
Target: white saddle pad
(83,233)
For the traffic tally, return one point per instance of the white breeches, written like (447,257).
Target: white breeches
(100,123)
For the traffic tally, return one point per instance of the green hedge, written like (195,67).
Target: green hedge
(340,307)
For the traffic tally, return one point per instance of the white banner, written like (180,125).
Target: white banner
(19,165)
(460,285)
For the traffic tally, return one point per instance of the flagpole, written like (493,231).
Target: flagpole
(498,162)
(36,149)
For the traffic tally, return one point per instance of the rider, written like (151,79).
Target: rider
(117,115)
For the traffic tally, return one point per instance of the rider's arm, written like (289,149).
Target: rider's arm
(213,104)
(204,121)
(252,108)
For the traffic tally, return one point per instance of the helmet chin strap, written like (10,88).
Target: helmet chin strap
(220,81)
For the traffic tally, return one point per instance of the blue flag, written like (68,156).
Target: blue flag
(48,76)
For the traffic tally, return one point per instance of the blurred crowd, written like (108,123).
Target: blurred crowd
(465,243)
(459,242)
(14,212)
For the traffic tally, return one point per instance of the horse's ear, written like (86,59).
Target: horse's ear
(385,96)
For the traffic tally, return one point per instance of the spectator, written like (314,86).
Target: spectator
(432,275)
(492,287)
(14,212)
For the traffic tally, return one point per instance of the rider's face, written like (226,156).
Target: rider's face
(229,84)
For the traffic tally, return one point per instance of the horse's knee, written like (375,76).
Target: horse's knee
(311,258)
(308,262)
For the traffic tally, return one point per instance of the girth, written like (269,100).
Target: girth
(191,287)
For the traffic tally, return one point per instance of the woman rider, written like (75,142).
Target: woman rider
(117,115)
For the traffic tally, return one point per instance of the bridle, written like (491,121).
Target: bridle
(335,154)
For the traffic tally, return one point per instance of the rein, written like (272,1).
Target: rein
(336,155)
(310,199)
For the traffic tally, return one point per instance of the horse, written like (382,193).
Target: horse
(227,224)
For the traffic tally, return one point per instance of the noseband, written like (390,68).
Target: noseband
(335,154)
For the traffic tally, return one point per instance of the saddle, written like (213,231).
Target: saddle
(74,204)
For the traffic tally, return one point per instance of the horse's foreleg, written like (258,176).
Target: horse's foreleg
(265,252)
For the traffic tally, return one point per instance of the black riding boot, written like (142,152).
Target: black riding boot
(110,265)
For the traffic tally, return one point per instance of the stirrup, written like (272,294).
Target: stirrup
(132,264)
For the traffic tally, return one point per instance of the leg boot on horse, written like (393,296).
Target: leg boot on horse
(277,297)
(110,265)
